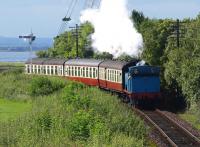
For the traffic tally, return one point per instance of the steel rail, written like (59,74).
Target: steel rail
(180,127)
(156,126)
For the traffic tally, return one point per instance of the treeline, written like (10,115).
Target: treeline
(180,66)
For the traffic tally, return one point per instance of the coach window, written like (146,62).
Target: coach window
(70,68)
(47,70)
(120,77)
(90,72)
(79,71)
(72,71)
(34,69)
(27,69)
(69,71)
(113,76)
(51,70)
(94,73)
(31,69)
(83,70)
(56,70)
(74,68)
(43,69)
(38,69)
(66,70)
(75,71)
(86,72)
(61,70)
(109,77)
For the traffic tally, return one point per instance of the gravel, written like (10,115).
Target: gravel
(183,123)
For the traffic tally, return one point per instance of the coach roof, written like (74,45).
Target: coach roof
(54,61)
(112,64)
(38,61)
(84,62)
(46,61)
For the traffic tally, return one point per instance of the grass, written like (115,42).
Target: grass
(12,109)
(6,64)
(76,115)
(192,118)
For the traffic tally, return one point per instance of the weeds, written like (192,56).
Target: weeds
(66,113)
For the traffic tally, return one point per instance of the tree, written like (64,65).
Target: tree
(125,57)
(138,18)
(104,55)
(65,44)
(42,54)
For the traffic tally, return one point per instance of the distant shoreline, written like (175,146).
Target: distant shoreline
(16,56)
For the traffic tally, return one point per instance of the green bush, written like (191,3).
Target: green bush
(79,126)
(77,115)
(44,86)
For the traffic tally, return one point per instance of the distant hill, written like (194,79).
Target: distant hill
(16,44)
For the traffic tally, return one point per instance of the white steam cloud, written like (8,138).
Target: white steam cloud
(114,30)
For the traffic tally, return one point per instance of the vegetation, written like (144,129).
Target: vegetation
(180,65)
(12,109)
(71,115)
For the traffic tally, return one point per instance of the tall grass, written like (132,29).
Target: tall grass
(75,115)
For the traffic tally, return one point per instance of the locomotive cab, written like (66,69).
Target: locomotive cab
(142,83)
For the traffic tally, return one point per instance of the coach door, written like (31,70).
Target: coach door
(102,77)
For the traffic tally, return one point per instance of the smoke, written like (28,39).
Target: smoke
(114,30)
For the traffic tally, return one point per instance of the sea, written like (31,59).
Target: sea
(16,56)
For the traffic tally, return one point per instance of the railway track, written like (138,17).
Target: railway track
(173,134)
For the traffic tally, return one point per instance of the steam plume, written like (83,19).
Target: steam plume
(114,30)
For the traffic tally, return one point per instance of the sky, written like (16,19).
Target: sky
(18,17)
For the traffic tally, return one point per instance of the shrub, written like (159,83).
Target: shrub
(79,126)
(44,86)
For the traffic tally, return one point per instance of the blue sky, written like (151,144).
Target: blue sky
(44,16)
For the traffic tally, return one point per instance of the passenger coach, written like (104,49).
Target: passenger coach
(43,66)
(83,70)
(139,84)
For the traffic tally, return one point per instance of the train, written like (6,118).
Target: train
(138,84)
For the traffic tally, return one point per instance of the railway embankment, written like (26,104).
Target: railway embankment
(64,113)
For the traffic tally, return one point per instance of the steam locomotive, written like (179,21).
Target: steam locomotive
(137,84)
